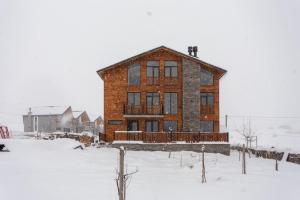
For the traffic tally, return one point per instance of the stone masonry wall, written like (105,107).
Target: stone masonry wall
(191,95)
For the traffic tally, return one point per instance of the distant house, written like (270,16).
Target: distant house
(48,119)
(61,119)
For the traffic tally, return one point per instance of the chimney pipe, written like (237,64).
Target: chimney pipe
(195,50)
(190,49)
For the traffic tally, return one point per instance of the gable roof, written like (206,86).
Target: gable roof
(76,113)
(49,110)
(101,71)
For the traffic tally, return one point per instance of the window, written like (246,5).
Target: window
(152,99)
(152,126)
(170,126)
(170,103)
(207,99)
(152,72)
(134,74)
(134,98)
(206,77)
(133,125)
(206,126)
(115,122)
(170,69)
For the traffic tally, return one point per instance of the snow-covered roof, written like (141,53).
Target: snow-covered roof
(48,110)
(76,114)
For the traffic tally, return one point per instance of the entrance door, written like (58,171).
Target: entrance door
(132,125)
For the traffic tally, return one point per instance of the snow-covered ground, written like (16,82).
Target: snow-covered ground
(38,169)
(282,134)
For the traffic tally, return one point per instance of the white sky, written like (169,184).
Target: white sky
(50,50)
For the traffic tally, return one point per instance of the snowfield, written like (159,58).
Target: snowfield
(47,170)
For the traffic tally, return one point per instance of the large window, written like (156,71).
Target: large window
(207,99)
(152,126)
(152,72)
(134,98)
(152,99)
(206,77)
(171,69)
(170,126)
(170,103)
(206,126)
(133,125)
(134,74)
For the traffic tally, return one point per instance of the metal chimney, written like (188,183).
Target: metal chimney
(190,50)
(195,50)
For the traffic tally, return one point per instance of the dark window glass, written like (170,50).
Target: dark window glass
(206,126)
(170,69)
(153,69)
(170,103)
(115,122)
(134,74)
(206,77)
(152,99)
(152,126)
(133,125)
(207,99)
(170,126)
(134,98)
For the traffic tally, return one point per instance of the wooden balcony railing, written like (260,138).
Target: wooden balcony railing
(165,137)
(143,109)
(207,109)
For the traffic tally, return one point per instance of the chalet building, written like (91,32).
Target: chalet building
(162,91)
(59,119)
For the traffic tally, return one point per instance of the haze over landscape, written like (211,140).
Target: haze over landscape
(50,51)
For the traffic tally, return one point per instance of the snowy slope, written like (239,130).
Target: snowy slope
(47,170)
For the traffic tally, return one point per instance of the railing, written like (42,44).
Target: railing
(207,109)
(165,137)
(143,109)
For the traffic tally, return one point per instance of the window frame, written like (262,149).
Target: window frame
(171,69)
(170,103)
(152,98)
(206,96)
(134,97)
(175,121)
(203,71)
(152,125)
(129,76)
(133,121)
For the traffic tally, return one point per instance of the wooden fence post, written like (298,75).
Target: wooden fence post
(244,161)
(203,166)
(121,174)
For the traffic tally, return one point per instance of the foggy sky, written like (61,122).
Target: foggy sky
(50,50)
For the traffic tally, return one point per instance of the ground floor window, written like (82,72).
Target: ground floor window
(170,126)
(152,126)
(132,125)
(207,126)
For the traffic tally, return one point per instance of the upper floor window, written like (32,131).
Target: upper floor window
(134,98)
(134,73)
(152,72)
(171,69)
(152,99)
(206,77)
(170,103)
(207,98)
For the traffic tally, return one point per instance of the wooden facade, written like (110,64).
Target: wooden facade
(117,112)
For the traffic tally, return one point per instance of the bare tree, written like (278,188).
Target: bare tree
(123,180)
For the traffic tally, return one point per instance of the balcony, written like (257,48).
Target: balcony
(143,110)
(207,109)
(164,137)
